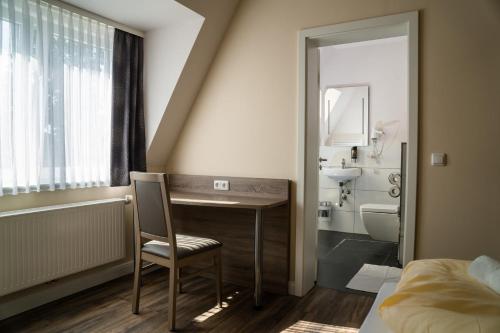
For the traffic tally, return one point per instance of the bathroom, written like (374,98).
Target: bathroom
(363,131)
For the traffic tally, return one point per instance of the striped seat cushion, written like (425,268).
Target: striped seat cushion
(186,246)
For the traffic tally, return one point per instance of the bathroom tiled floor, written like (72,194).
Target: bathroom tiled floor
(341,255)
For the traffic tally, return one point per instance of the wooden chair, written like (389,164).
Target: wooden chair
(153,222)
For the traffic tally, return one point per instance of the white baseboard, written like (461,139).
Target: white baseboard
(61,288)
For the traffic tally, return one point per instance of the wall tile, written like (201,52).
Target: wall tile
(332,195)
(374,179)
(390,158)
(341,221)
(371,187)
(376,197)
(325,226)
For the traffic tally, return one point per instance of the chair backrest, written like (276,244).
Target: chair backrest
(152,209)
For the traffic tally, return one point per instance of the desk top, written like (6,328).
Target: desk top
(224,201)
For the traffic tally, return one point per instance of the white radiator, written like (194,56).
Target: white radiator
(42,244)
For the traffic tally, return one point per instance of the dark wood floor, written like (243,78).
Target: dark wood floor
(107,308)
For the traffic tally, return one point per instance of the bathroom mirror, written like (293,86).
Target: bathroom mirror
(345,116)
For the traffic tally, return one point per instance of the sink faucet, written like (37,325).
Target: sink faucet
(343,163)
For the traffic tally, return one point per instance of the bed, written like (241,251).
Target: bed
(373,323)
(435,295)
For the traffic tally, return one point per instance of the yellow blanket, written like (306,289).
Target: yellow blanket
(439,296)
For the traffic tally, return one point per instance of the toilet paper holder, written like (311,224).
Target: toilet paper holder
(325,211)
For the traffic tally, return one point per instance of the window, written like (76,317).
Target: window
(55,98)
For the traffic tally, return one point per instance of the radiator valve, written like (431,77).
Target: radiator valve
(128,198)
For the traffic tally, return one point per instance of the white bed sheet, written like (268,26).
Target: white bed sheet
(373,323)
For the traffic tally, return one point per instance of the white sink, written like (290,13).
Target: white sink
(341,175)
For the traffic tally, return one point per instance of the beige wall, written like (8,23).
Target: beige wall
(244,121)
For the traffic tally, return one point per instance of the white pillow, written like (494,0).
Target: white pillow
(487,271)
(493,280)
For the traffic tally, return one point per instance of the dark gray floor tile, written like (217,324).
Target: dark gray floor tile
(341,255)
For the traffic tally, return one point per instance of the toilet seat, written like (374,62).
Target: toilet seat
(379,208)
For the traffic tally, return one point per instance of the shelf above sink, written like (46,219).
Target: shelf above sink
(341,175)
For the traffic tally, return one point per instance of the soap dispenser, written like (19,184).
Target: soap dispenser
(354,154)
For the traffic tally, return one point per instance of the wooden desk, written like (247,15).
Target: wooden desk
(224,201)
(245,194)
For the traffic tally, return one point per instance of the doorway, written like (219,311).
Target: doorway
(316,132)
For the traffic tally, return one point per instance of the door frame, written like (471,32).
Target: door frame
(405,24)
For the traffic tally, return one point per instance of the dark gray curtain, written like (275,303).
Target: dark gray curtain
(128,139)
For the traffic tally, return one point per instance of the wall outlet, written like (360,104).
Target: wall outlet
(221,185)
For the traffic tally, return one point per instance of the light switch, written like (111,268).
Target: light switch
(438,159)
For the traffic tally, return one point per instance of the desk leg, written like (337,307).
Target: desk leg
(258,258)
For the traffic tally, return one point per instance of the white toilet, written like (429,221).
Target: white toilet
(381,221)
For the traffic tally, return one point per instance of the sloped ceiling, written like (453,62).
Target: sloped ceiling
(217,14)
(166,51)
(143,16)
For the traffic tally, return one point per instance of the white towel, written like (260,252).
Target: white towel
(371,277)
(486,270)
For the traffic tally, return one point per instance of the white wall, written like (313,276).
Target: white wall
(382,65)
(166,51)
(217,16)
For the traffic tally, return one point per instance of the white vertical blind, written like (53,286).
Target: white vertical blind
(55,98)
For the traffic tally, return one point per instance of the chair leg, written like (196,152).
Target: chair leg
(218,277)
(172,297)
(137,284)
(179,283)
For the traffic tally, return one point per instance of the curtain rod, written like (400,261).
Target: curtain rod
(95,16)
